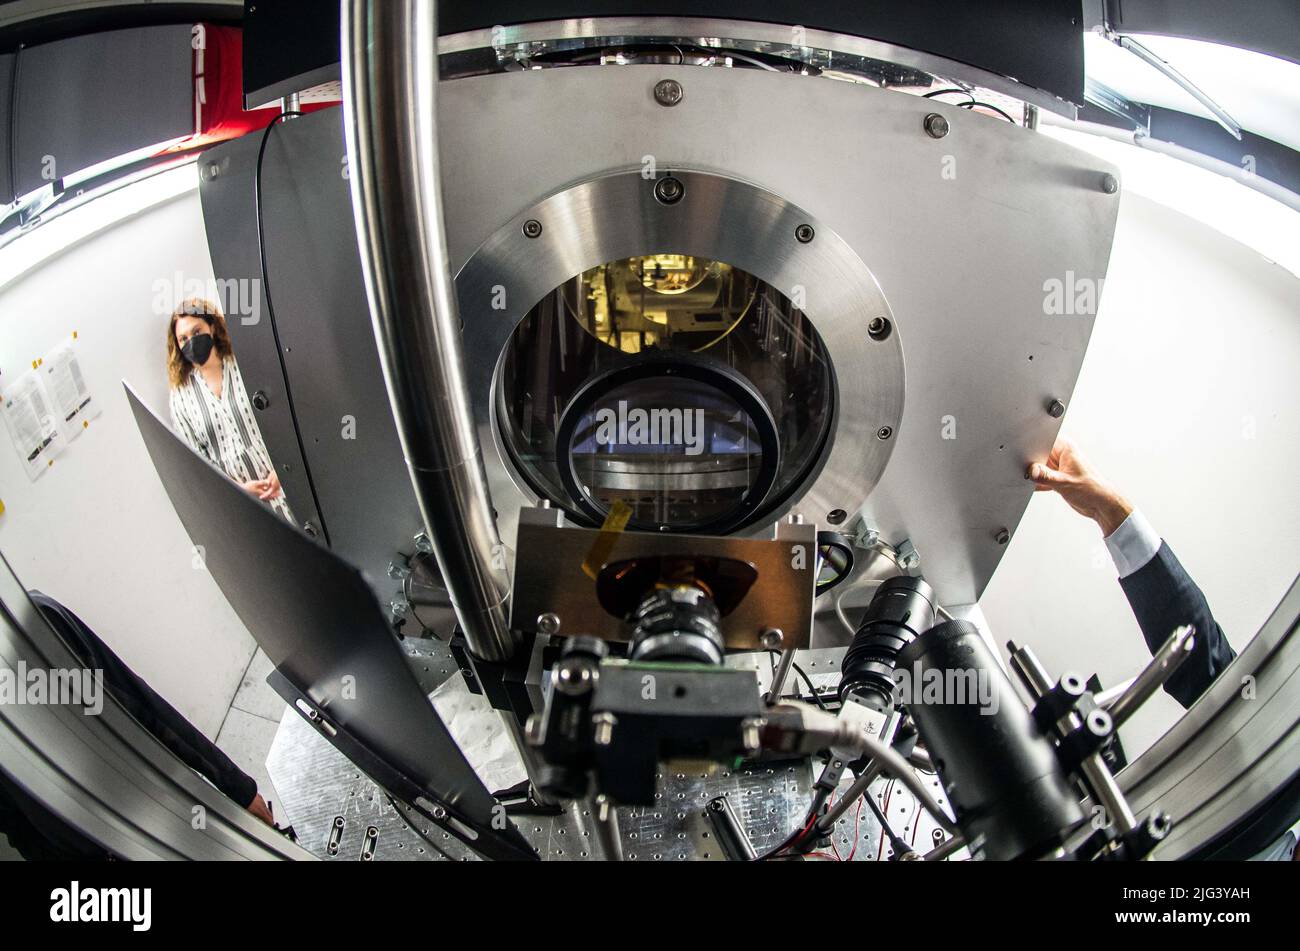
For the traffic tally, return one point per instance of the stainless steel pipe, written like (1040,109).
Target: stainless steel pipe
(390,82)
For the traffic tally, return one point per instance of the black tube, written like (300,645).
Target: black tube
(901,609)
(1009,793)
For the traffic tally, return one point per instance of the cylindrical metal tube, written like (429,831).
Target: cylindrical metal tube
(1095,774)
(390,83)
(1164,664)
(1011,796)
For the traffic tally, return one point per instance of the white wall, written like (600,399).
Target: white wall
(1187,400)
(97,531)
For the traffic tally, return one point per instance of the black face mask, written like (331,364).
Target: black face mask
(197,349)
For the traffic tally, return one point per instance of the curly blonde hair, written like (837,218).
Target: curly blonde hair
(178,368)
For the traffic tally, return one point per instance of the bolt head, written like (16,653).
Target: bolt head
(1109,184)
(884,432)
(669,92)
(548,623)
(936,126)
(1002,536)
(772,638)
(423,543)
(804,233)
(532,228)
(669,190)
(1056,409)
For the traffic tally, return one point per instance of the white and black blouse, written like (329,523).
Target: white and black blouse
(222,428)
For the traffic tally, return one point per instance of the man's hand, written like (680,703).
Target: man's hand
(1068,474)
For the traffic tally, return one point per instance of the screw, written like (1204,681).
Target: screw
(548,623)
(532,228)
(878,328)
(398,608)
(836,516)
(423,542)
(1003,536)
(936,126)
(669,92)
(399,570)
(261,400)
(1109,184)
(669,190)
(1056,409)
(884,432)
(533,729)
(804,233)
(749,735)
(309,528)
(604,724)
(771,638)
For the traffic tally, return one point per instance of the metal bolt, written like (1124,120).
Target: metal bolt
(749,733)
(399,608)
(1109,184)
(532,228)
(669,92)
(804,233)
(771,638)
(261,400)
(604,724)
(836,516)
(936,126)
(878,328)
(211,170)
(907,556)
(533,729)
(1003,536)
(399,570)
(669,190)
(548,624)
(423,543)
(1056,409)
(884,432)
(309,528)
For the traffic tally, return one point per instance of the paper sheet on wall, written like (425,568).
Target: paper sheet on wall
(32,423)
(66,387)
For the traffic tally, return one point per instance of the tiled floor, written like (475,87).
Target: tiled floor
(250,725)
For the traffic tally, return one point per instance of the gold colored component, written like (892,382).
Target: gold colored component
(620,513)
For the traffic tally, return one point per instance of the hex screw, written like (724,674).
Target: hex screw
(804,233)
(669,190)
(884,432)
(1003,536)
(1109,184)
(936,126)
(669,92)
(548,623)
(532,228)
(1056,409)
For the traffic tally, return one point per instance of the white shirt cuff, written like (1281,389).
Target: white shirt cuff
(1133,544)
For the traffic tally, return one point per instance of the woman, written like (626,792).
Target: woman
(210,408)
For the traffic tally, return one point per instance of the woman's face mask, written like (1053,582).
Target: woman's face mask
(197,349)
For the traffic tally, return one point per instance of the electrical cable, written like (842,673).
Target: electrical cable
(803,674)
(943,92)
(899,846)
(974,104)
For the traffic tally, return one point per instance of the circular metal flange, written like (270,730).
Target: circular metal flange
(618,216)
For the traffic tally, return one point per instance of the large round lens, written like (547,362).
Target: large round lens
(666,307)
(682,444)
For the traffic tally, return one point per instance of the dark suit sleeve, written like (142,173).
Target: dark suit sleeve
(1164,597)
(151,711)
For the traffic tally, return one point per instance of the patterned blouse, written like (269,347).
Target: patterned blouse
(222,429)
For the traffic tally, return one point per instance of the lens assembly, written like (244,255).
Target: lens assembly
(684,388)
